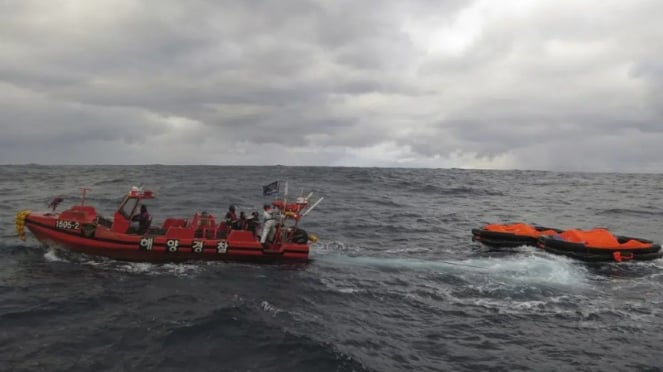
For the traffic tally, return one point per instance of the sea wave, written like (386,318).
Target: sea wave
(395,282)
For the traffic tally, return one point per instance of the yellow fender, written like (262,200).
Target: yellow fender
(312,238)
(20,223)
(291,214)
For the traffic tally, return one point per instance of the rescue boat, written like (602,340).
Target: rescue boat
(511,235)
(599,244)
(82,229)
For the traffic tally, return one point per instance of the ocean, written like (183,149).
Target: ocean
(395,282)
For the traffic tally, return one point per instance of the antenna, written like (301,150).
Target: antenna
(83,190)
(313,206)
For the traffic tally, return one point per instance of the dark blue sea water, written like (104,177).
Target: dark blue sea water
(395,283)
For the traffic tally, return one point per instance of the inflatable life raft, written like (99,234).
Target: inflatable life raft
(511,235)
(599,245)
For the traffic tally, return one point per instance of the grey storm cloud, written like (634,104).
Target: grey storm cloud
(559,85)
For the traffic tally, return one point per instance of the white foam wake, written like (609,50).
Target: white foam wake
(517,270)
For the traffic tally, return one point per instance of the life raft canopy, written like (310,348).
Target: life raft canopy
(600,238)
(521,229)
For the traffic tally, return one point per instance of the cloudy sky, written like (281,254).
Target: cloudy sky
(552,85)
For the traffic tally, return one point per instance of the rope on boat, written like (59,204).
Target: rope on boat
(20,223)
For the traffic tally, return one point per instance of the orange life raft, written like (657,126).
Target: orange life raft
(511,235)
(600,245)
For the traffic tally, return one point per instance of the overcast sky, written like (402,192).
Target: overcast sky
(552,85)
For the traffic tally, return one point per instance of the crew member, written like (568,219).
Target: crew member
(231,218)
(267,223)
(252,222)
(241,223)
(144,220)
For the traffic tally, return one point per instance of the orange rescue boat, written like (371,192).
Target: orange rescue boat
(82,229)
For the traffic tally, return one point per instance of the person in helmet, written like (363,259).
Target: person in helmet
(231,218)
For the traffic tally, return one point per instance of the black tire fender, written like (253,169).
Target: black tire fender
(88,230)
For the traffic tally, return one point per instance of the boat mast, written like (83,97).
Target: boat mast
(83,190)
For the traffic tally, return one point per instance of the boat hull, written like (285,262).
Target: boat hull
(237,246)
(495,239)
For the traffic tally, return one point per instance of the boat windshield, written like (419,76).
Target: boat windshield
(128,208)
